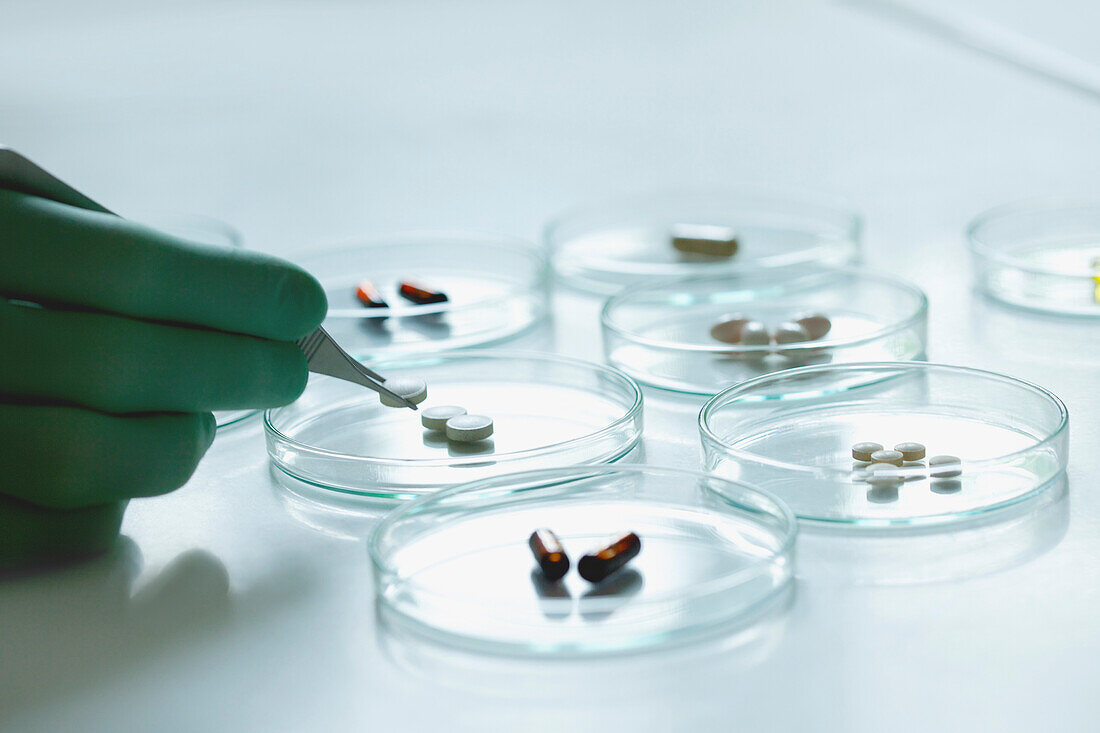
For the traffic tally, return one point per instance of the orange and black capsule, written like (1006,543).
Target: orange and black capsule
(549,554)
(598,564)
(369,296)
(420,294)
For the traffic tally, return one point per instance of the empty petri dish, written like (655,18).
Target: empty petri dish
(1043,255)
(603,247)
(791,433)
(496,288)
(456,566)
(547,411)
(660,332)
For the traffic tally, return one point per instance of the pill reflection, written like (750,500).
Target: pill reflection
(555,600)
(609,596)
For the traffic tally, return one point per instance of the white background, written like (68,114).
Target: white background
(230,606)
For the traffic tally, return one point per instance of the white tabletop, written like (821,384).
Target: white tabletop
(229,606)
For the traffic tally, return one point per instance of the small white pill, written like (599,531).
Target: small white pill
(815,324)
(413,389)
(469,428)
(863,451)
(944,466)
(893,457)
(435,418)
(729,328)
(755,333)
(910,451)
(790,332)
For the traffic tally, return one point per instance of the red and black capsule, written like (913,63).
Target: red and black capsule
(598,564)
(369,296)
(549,554)
(419,294)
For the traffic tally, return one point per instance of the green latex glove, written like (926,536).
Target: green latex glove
(106,391)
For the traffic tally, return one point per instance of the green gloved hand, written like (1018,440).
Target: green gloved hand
(106,390)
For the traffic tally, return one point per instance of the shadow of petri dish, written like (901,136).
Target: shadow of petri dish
(739,647)
(1003,539)
(342,516)
(1020,335)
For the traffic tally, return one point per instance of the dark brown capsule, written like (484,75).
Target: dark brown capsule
(549,554)
(598,564)
(369,296)
(421,295)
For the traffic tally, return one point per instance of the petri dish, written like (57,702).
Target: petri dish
(791,433)
(1041,255)
(659,332)
(605,246)
(205,230)
(496,288)
(547,410)
(456,566)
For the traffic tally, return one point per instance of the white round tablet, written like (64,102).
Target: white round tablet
(413,389)
(944,466)
(435,418)
(469,428)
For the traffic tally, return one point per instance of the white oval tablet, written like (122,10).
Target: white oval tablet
(413,389)
(469,428)
(435,418)
(790,332)
(892,457)
(944,466)
(755,333)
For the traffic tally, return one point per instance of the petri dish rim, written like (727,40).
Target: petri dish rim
(503,242)
(1049,205)
(382,568)
(805,199)
(630,414)
(620,298)
(720,400)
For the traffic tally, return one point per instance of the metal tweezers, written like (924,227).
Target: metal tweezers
(324,355)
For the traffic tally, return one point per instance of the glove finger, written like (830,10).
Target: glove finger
(31,535)
(55,253)
(63,457)
(116,364)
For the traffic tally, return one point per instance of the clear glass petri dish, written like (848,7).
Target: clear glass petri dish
(547,410)
(660,332)
(603,247)
(496,287)
(204,230)
(456,566)
(1041,255)
(792,432)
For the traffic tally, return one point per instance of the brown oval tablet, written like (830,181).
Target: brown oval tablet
(815,324)
(729,328)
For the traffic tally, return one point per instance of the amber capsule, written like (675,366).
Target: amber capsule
(549,554)
(369,296)
(598,564)
(420,294)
